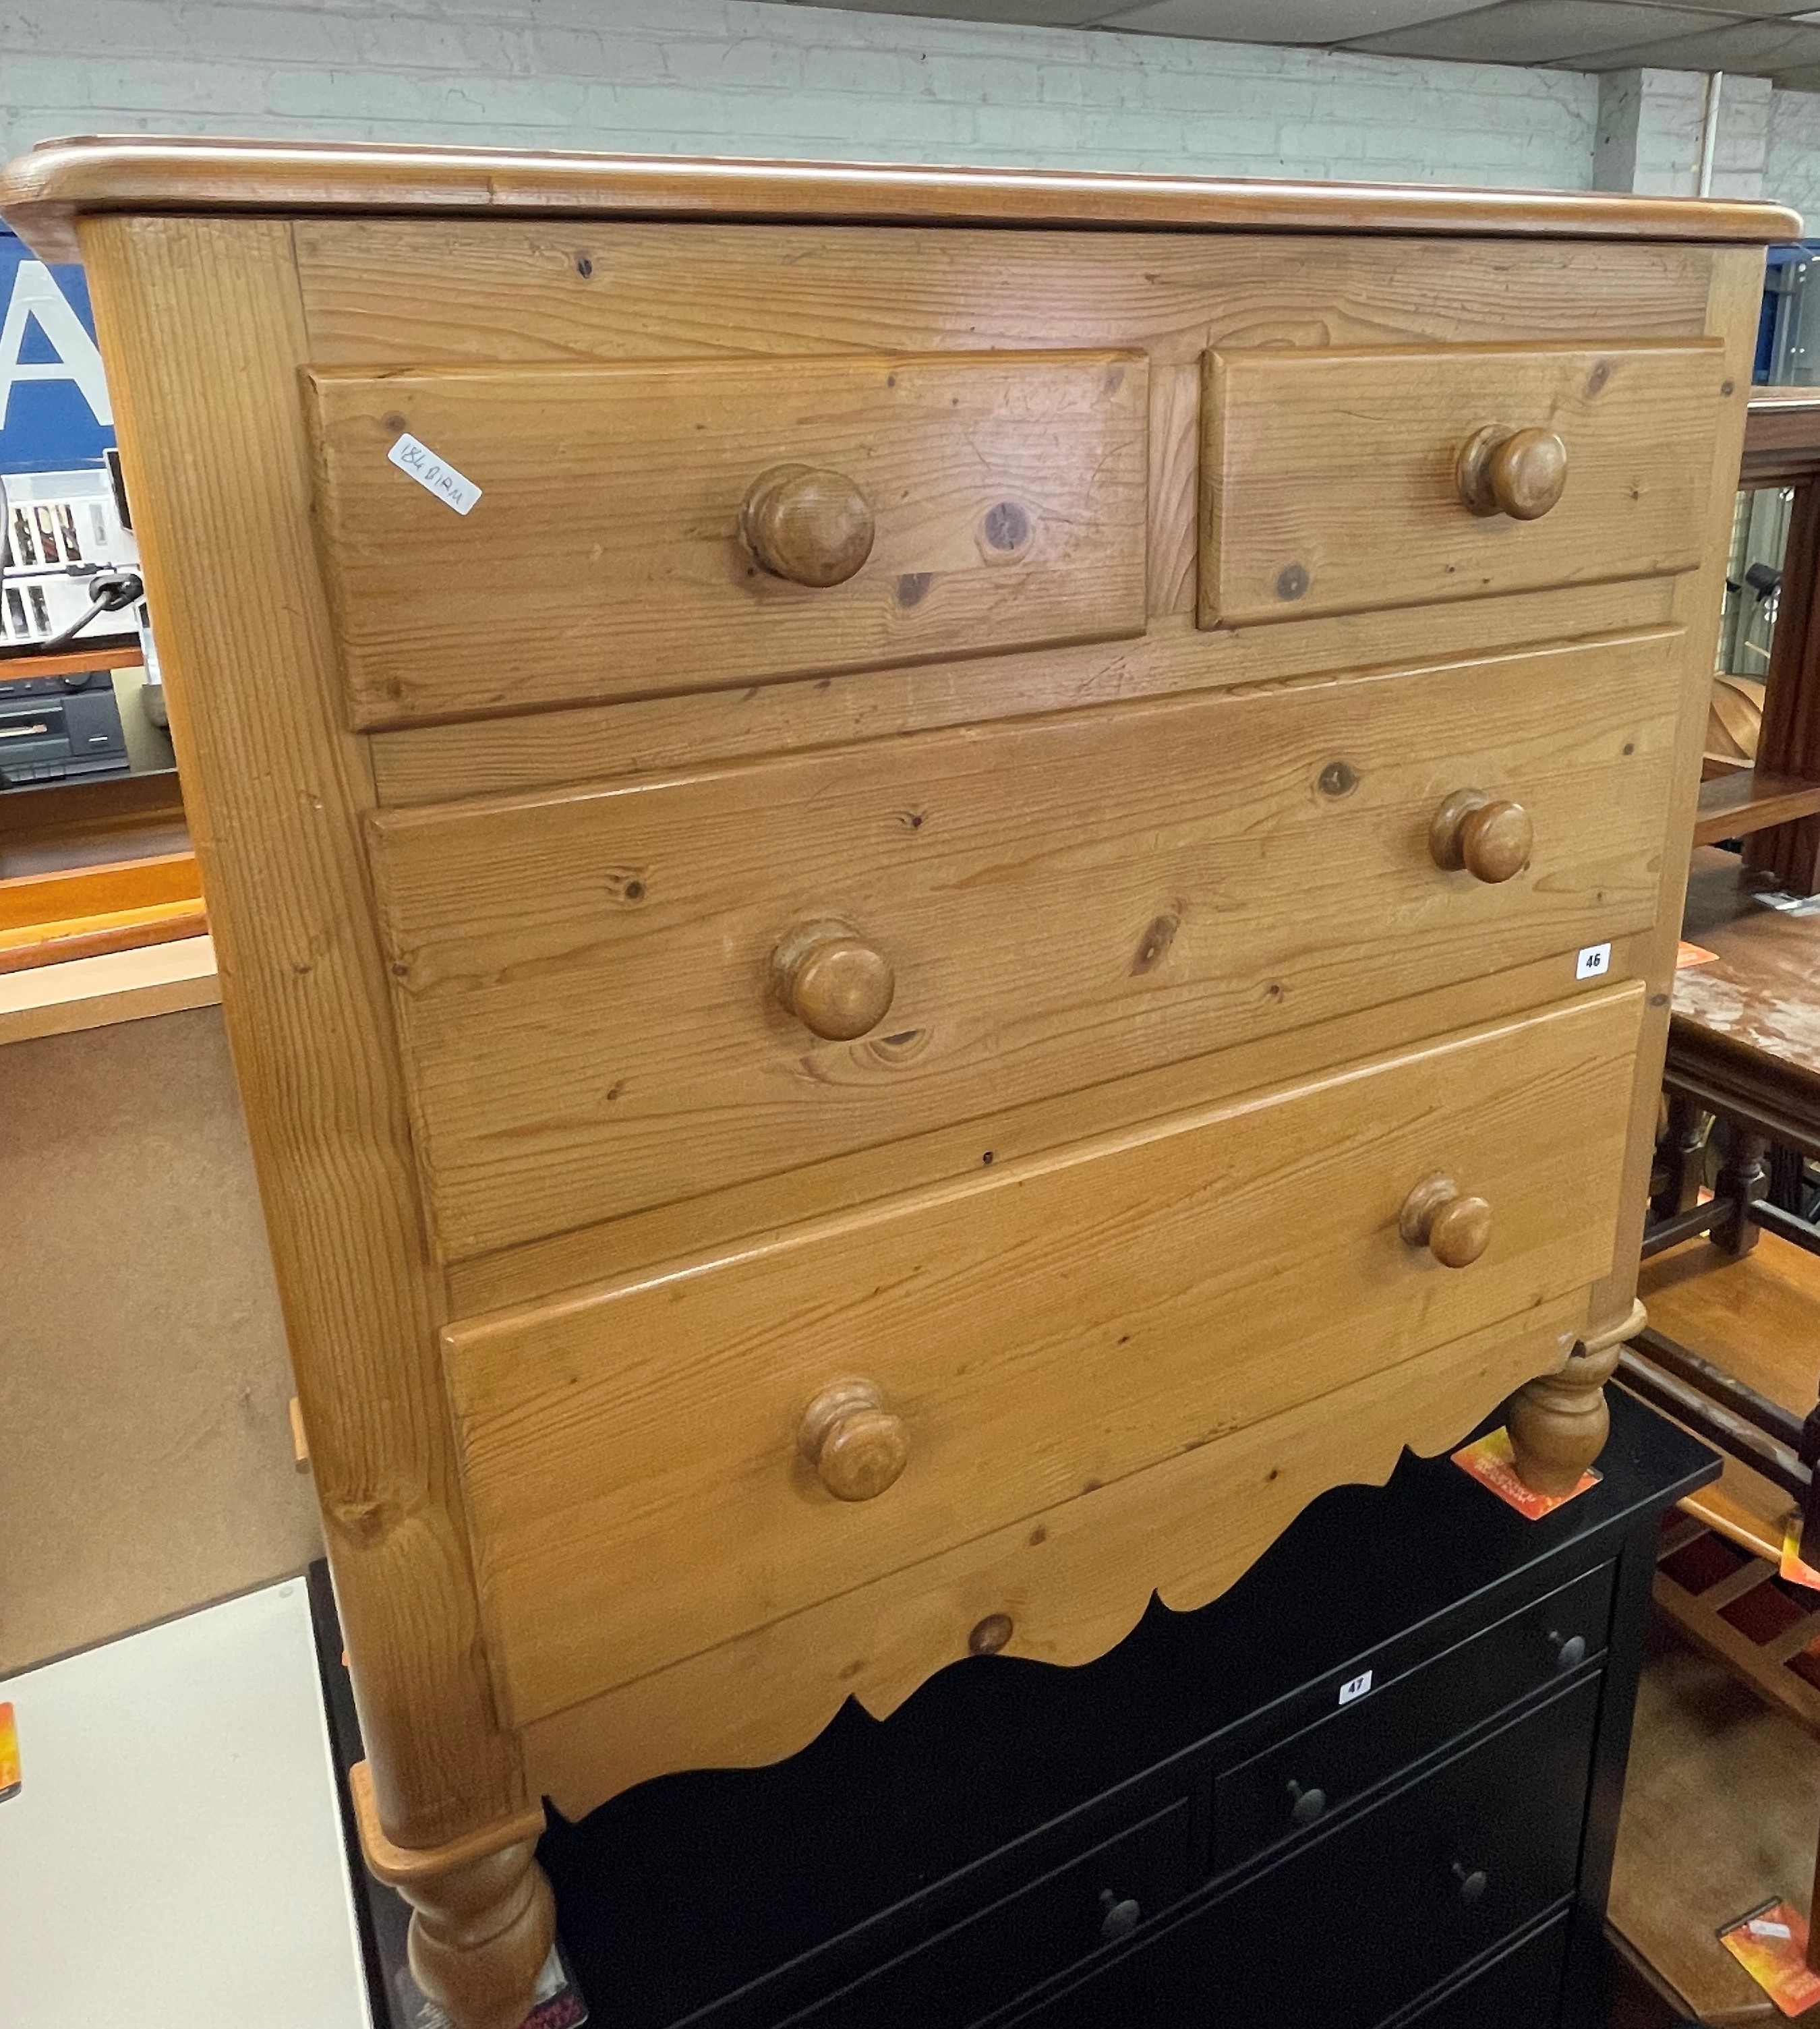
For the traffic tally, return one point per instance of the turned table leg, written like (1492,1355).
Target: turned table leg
(1559,1423)
(1744,1177)
(1787,1180)
(1681,1153)
(483,1918)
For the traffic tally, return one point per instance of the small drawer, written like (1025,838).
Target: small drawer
(629,530)
(620,996)
(1335,482)
(1414,1890)
(1286,1792)
(980,1964)
(815,1409)
(1360,1925)
(1520,1989)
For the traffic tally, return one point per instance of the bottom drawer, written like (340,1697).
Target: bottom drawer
(1348,1931)
(980,1964)
(1036,1332)
(1521,1989)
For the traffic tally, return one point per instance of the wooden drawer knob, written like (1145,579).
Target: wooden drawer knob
(809,526)
(853,1441)
(1491,839)
(1519,473)
(834,982)
(1455,1229)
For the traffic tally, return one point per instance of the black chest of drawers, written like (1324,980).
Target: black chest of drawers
(1376,1783)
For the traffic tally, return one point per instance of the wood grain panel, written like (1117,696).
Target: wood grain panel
(603,556)
(215,457)
(1041,1329)
(417,293)
(1329,482)
(46,191)
(79,937)
(1735,298)
(424,292)
(1072,1580)
(1175,448)
(161,880)
(731,1213)
(582,978)
(473,757)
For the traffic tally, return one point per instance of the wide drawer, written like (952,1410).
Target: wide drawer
(1334,482)
(1286,1792)
(1362,1925)
(656,528)
(1522,1989)
(1027,1334)
(978,1965)
(591,983)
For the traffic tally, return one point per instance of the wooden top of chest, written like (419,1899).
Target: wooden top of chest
(42,193)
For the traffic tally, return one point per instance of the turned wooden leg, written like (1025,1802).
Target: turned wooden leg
(1558,1424)
(479,1935)
(483,1918)
(1681,1156)
(1808,1452)
(1744,1177)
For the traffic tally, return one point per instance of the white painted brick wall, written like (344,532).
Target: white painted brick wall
(1791,174)
(1650,126)
(1741,160)
(1615,143)
(752,77)
(738,76)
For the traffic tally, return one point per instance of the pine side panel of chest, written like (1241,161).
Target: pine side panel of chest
(202,326)
(212,326)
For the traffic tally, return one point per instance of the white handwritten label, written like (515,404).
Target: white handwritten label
(1761,1926)
(434,474)
(1593,963)
(1356,1688)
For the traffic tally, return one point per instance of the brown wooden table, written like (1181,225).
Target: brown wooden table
(1744,1039)
(1745,1046)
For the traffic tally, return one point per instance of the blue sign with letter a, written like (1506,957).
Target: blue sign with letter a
(54,413)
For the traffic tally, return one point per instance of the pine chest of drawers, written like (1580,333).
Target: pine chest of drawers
(933,888)
(1374,1785)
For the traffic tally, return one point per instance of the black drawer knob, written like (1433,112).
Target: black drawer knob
(1305,1805)
(1569,1649)
(1473,1882)
(1121,1914)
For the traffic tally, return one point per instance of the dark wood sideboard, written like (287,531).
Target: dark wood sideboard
(1193,1829)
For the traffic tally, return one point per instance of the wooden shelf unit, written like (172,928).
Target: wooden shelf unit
(1750,799)
(15,663)
(1781,437)
(118,905)
(1775,806)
